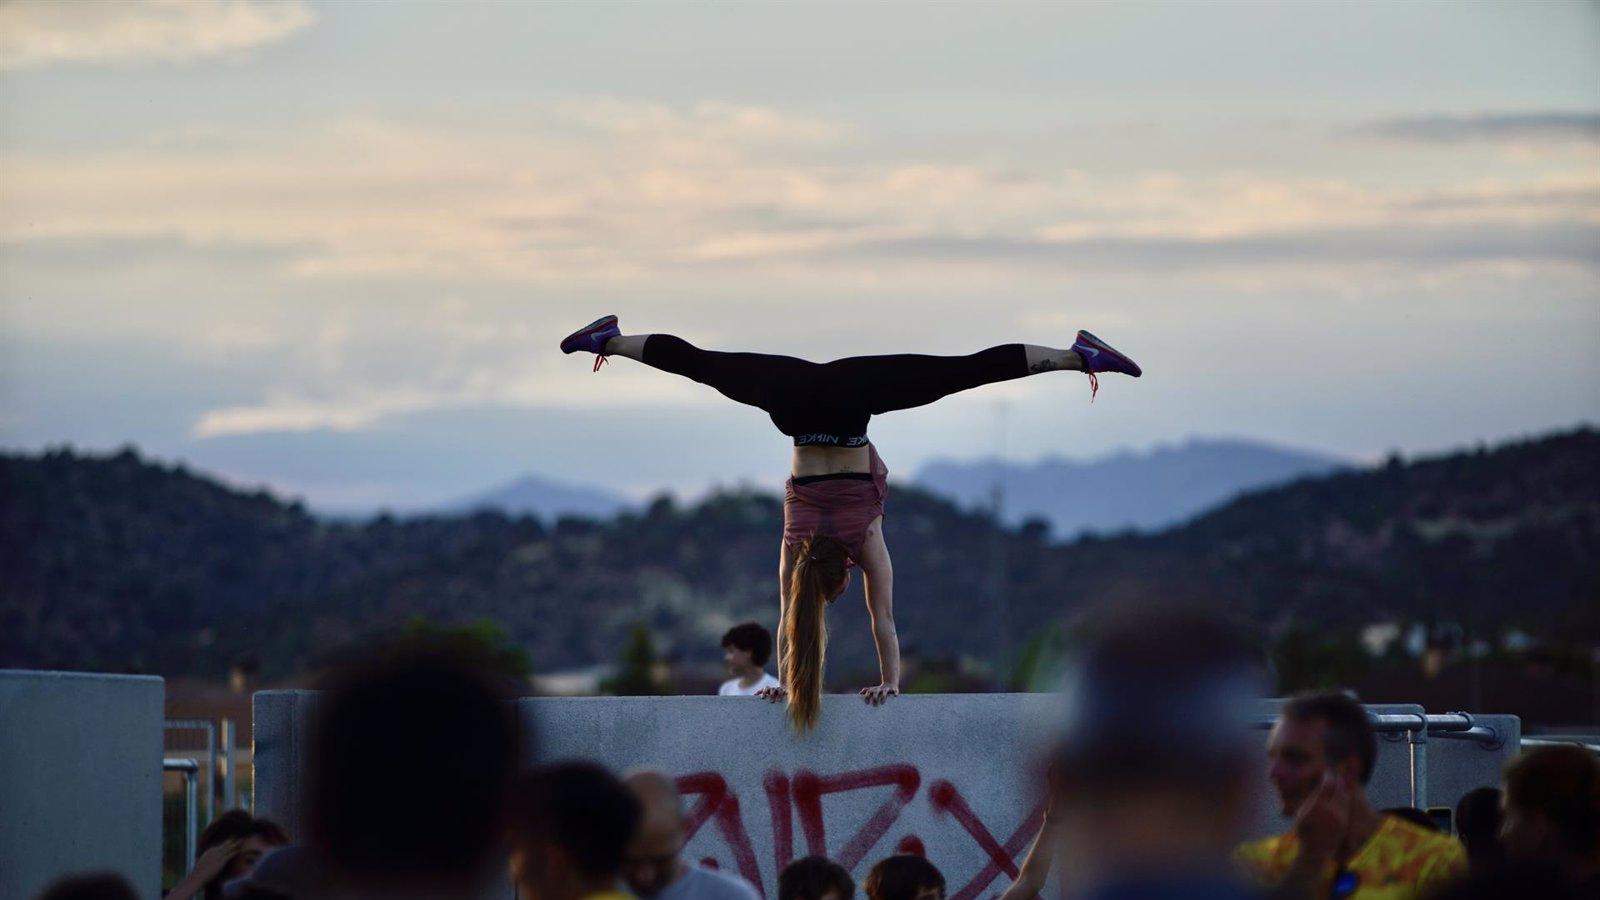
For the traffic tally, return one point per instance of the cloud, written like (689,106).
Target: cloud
(703,121)
(37,33)
(1567,243)
(1496,127)
(629,193)
(1580,199)
(354,405)
(349,366)
(356,408)
(322,252)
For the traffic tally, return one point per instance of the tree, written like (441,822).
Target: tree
(1308,658)
(1039,661)
(639,674)
(483,643)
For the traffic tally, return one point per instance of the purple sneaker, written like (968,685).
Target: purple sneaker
(1099,356)
(592,338)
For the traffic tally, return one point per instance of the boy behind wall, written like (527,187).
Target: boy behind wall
(746,648)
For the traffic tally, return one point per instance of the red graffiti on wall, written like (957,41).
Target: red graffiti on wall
(803,794)
(946,799)
(911,844)
(809,789)
(776,784)
(721,805)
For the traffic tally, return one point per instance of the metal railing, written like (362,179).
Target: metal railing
(213,772)
(1462,726)
(228,740)
(1560,741)
(210,728)
(191,771)
(1415,729)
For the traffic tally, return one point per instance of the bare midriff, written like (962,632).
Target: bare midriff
(821,460)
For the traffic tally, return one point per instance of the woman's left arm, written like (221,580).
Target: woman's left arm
(878,574)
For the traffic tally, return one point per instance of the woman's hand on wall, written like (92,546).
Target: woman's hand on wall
(880,694)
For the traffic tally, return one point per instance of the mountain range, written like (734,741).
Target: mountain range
(1125,490)
(1120,491)
(533,495)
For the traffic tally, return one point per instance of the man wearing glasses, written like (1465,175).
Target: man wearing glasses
(1322,752)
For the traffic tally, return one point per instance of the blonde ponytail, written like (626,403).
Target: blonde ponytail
(819,570)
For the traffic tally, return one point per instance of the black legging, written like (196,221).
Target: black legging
(830,403)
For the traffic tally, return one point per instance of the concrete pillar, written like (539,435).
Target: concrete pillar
(80,778)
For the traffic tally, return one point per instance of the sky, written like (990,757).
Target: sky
(331,247)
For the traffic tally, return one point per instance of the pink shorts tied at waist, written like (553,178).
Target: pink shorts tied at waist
(841,508)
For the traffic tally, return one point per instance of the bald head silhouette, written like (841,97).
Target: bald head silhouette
(652,861)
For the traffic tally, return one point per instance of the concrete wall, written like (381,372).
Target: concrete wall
(80,778)
(948,772)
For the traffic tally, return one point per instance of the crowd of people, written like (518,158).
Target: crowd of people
(416,789)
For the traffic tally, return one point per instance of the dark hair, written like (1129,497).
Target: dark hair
(1349,731)
(1478,825)
(1563,785)
(255,892)
(236,824)
(411,755)
(1203,670)
(89,886)
(751,638)
(1513,880)
(902,877)
(1413,815)
(810,877)
(581,808)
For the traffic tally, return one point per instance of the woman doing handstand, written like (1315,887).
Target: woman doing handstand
(833,501)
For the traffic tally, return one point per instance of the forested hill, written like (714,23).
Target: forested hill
(1488,539)
(116,563)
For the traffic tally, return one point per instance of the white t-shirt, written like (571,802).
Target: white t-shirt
(708,884)
(732,688)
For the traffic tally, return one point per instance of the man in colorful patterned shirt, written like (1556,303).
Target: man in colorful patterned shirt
(1322,752)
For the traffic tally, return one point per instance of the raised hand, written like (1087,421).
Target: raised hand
(208,866)
(880,694)
(1323,821)
(211,863)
